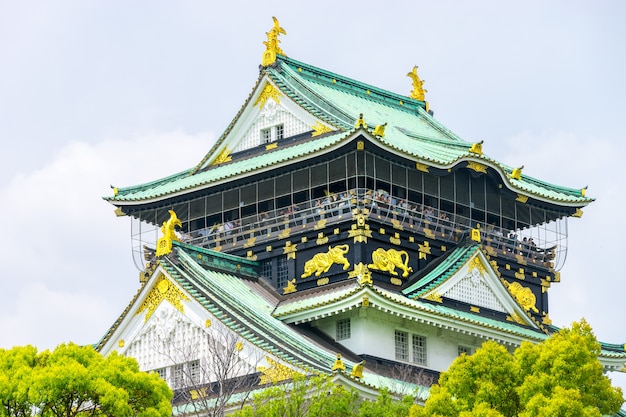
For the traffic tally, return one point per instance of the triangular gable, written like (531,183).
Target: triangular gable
(269,114)
(166,327)
(475,282)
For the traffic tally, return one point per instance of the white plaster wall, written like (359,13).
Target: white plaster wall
(373,333)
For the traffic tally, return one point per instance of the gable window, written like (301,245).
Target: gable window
(162,372)
(273,133)
(178,376)
(194,371)
(280,132)
(343,329)
(266,135)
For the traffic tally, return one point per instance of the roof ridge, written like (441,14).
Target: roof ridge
(338,80)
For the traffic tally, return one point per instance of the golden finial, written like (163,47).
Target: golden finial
(357,370)
(583,191)
(115,190)
(338,365)
(271,45)
(418,92)
(517,173)
(164,244)
(361,122)
(380,130)
(477,148)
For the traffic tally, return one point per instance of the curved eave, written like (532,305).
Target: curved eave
(234,170)
(274,158)
(414,310)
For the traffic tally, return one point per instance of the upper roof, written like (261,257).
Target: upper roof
(321,101)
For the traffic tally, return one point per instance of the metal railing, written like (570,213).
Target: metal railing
(525,243)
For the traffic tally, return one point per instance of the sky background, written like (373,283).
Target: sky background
(94,93)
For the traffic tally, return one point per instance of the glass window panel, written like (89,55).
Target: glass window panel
(319,175)
(196,208)
(301,180)
(337,169)
(398,173)
(351,164)
(231,199)
(383,170)
(369,164)
(283,184)
(248,194)
(181,210)
(283,201)
(446,187)
(431,185)
(415,180)
(462,187)
(360,163)
(493,198)
(214,203)
(266,189)
(478,192)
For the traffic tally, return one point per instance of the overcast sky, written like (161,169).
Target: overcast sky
(94,93)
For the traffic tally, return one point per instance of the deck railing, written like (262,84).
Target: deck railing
(385,209)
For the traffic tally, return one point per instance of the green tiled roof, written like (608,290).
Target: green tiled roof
(411,131)
(237,303)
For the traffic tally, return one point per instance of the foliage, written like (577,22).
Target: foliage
(78,381)
(320,397)
(560,377)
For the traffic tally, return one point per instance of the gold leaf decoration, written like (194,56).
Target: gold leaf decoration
(162,290)
(275,372)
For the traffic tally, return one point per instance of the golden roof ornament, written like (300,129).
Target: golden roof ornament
(418,92)
(517,173)
(360,122)
(271,45)
(477,148)
(380,130)
(164,244)
(338,365)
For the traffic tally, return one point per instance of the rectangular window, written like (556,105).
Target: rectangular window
(162,373)
(464,350)
(266,269)
(178,376)
(280,132)
(282,272)
(402,346)
(419,349)
(266,135)
(194,371)
(343,329)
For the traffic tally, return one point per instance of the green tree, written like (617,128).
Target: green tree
(320,397)
(78,381)
(560,377)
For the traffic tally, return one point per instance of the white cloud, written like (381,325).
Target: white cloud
(67,262)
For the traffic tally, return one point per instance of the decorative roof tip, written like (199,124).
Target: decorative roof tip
(477,147)
(517,173)
(360,122)
(271,45)
(419,92)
